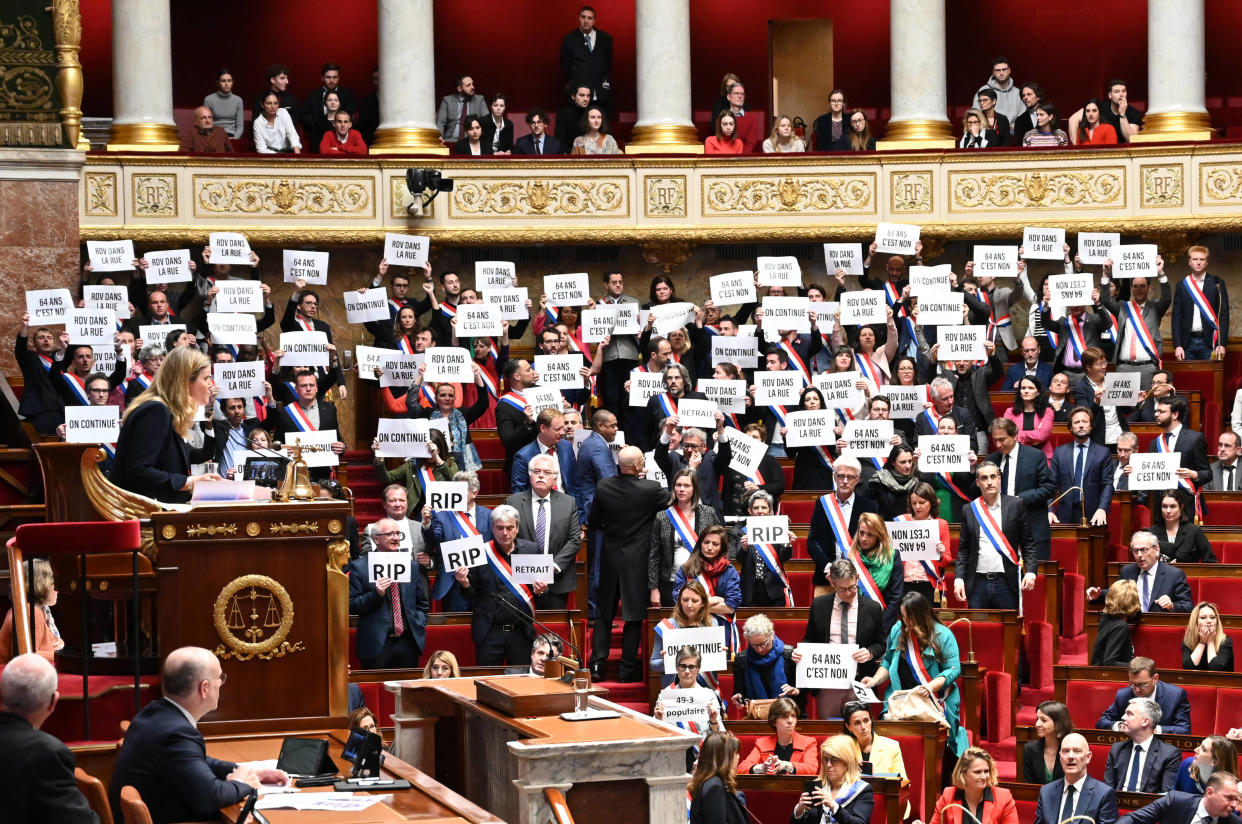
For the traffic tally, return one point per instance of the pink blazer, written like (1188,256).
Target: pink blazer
(1037,437)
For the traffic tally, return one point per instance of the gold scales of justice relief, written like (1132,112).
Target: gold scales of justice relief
(253,616)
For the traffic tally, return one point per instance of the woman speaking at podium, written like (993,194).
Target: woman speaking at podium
(152,456)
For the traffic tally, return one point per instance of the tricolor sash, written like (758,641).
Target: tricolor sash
(515,399)
(425,475)
(947,479)
(796,361)
(1205,308)
(932,417)
(78,387)
(711,329)
(1164,444)
(821,452)
(489,383)
(674,356)
(767,554)
(47,363)
(1111,333)
(726,621)
(504,573)
(848,794)
(144,380)
(405,345)
(444,580)
(866,584)
(836,520)
(1053,337)
(298,417)
(448,310)
(991,534)
(899,312)
(667,403)
(395,306)
(683,527)
(429,395)
(914,658)
(553,314)
(868,369)
(1134,322)
(1077,340)
(933,573)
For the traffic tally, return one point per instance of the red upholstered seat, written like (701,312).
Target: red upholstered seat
(453,637)
(1229,552)
(1162,644)
(1228,711)
(800,551)
(799,512)
(489,448)
(1099,760)
(912,757)
(788,471)
(1224,512)
(1203,702)
(100,536)
(1065,553)
(1087,700)
(1026,810)
(1039,653)
(998,706)
(1217,590)
(802,585)
(1073,604)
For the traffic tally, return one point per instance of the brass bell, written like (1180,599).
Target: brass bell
(297,485)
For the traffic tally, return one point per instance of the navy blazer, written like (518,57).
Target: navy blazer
(152,459)
(1170,581)
(593,464)
(1097,478)
(1160,766)
(1043,371)
(519,478)
(1017,529)
(164,758)
(1035,486)
(482,592)
(821,541)
(1174,808)
(1184,308)
(1193,448)
(374,610)
(1097,801)
(1174,709)
(525,145)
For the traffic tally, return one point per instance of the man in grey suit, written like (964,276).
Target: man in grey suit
(1133,353)
(1077,793)
(618,354)
(549,518)
(1226,470)
(1217,805)
(456,107)
(1144,763)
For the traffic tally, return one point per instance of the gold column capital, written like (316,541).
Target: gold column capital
(1164,126)
(917,134)
(408,140)
(665,139)
(143,137)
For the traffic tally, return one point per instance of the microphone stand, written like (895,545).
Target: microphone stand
(563,661)
(1082,506)
(970,635)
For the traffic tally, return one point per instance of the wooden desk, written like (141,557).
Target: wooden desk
(425,800)
(624,770)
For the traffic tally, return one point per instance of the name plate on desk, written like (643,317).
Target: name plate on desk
(523,696)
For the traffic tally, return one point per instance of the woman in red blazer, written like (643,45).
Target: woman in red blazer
(785,752)
(974,787)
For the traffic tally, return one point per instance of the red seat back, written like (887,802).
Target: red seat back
(1099,760)
(1087,700)
(1026,809)
(1228,711)
(799,512)
(1161,644)
(1217,590)
(912,757)
(1202,709)
(1229,552)
(802,584)
(1065,553)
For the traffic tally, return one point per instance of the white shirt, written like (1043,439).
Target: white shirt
(851,620)
(274,137)
(989,560)
(1112,426)
(1077,785)
(1131,339)
(534,513)
(1196,315)
(1011,458)
(847,506)
(1140,751)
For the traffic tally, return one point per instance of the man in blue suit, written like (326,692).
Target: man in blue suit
(594,463)
(1077,793)
(1146,683)
(1024,474)
(164,757)
(1217,805)
(549,441)
(448,526)
(392,627)
(1086,464)
(1030,366)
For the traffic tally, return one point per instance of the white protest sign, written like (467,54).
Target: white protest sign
(905,403)
(92,424)
(1121,389)
(395,565)
(826,666)
(1097,247)
(542,397)
(105,358)
(111,255)
(323,438)
(747,330)
(915,540)
(687,708)
(742,352)
(941,309)
(864,694)
(399,369)
(304,348)
(597,324)
(930,281)
(732,288)
(311,267)
(840,389)
(809,427)
(862,308)
(567,290)
(234,328)
(369,358)
(559,371)
(475,320)
(779,271)
(236,295)
(868,439)
(229,247)
(93,326)
(695,412)
(171,266)
(747,452)
(1070,290)
(962,343)
(1043,244)
(996,261)
(768,529)
(447,496)
(825,315)
(406,250)
(671,316)
(729,395)
(156,334)
(944,453)
(451,364)
(779,388)
(847,256)
(493,274)
(630,318)
(402,437)
(709,642)
(238,380)
(532,569)
(115,298)
(364,307)
(48,306)
(463,553)
(896,238)
(1152,471)
(644,385)
(511,302)
(1135,261)
(782,314)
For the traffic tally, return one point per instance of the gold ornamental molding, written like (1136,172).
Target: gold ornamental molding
(664,196)
(210,530)
(253,616)
(747,195)
(100,195)
(911,192)
(561,197)
(1083,188)
(283,196)
(304,528)
(154,195)
(1220,184)
(1162,186)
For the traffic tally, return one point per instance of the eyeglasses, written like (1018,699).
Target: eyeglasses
(543,471)
(687,667)
(1141,550)
(105,390)
(846,590)
(389,534)
(840,476)
(1141,685)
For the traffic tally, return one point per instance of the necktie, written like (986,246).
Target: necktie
(1067,810)
(1005,474)
(398,618)
(552,452)
(538,145)
(845,622)
(1146,591)
(541,524)
(1132,783)
(1229,479)
(1079,460)
(461,128)
(587,37)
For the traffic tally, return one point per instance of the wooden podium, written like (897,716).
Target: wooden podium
(261,585)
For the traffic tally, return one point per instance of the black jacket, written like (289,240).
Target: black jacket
(486,591)
(1033,763)
(151,458)
(1114,643)
(870,628)
(1017,529)
(38,778)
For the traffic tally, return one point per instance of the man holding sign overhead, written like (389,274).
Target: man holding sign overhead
(302,315)
(1140,345)
(390,600)
(995,543)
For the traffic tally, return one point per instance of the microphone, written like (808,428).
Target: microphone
(970,635)
(1082,507)
(560,659)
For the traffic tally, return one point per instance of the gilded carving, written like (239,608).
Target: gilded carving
(253,615)
(400,198)
(556,197)
(667,254)
(67,28)
(210,530)
(27,66)
(100,194)
(910,192)
(801,194)
(253,529)
(338,555)
(1086,188)
(1221,183)
(665,196)
(308,527)
(154,196)
(168,532)
(1162,186)
(284,196)
(335,526)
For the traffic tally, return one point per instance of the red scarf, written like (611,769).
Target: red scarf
(714,569)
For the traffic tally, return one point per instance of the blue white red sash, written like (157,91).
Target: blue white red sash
(1205,308)
(110,449)
(553,314)
(405,345)
(305,323)
(990,533)
(47,363)
(868,369)
(144,380)
(848,794)
(899,311)
(492,352)
(424,475)
(297,415)
(260,409)
(429,395)
(444,581)
(933,572)
(1053,337)
(489,383)
(767,554)
(448,310)
(1077,339)
(914,658)
(844,416)
(667,623)
(1164,444)
(947,480)
(395,306)
(866,584)
(683,527)
(932,417)
(836,520)
(821,452)
(795,360)
(1134,322)
(78,387)
(674,356)
(667,403)
(504,573)
(515,399)
(711,329)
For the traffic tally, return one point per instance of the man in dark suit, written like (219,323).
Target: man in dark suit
(41,403)
(694,449)
(1145,763)
(822,541)
(624,510)
(1087,391)
(1024,474)
(392,617)
(231,435)
(1162,587)
(1077,325)
(515,419)
(1077,794)
(163,756)
(1161,385)
(1171,415)
(1145,683)
(1085,464)
(1217,805)
(586,57)
(1127,443)
(594,462)
(302,315)
(38,776)
(1225,470)
(549,441)
(1199,334)
(1133,352)
(501,621)
(841,617)
(538,142)
(549,519)
(314,112)
(677,386)
(308,414)
(986,576)
(1030,366)
(450,526)
(942,396)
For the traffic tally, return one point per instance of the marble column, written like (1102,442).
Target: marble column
(919,76)
(663,57)
(407,91)
(142,101)
(1175,73)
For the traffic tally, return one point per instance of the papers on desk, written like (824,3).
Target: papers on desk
(334,802)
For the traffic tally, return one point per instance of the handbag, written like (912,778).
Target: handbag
(908,705)
(758,708)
